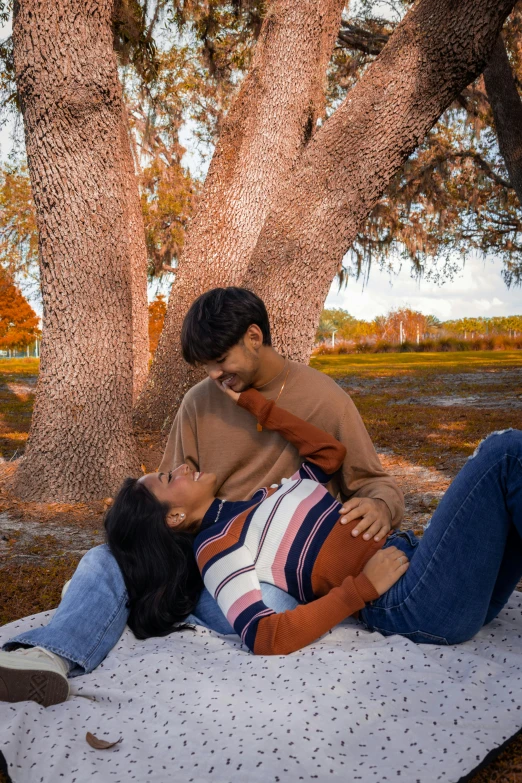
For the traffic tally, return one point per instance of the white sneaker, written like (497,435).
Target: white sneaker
(33,674)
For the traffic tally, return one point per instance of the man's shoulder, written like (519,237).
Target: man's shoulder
(201,389)
(315,380)
(199,394)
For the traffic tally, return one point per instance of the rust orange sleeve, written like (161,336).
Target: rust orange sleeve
(313,444)
(281,634)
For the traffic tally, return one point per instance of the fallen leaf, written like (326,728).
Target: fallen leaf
(99,744)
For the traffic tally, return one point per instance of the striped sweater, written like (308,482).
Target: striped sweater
(289,536)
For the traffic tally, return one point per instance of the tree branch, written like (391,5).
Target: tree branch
(352,36)
(507,112)
(485,166)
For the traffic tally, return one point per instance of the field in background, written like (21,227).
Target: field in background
(432,409)
(17,384)
(431,345)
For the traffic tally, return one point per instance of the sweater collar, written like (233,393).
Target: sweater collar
(214,511)
(274,384)
(223,510)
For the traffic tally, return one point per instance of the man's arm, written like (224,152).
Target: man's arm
(182,445)
(363,477)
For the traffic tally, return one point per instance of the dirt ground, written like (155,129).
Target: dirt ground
(426,413)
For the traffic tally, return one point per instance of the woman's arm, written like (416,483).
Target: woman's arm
(313,444)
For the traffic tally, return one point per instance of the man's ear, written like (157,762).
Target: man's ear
(255,336)
(175,517)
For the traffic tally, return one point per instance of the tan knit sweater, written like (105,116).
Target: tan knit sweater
(212,435)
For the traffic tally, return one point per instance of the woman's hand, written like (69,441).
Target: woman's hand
(232,394)
(385,568)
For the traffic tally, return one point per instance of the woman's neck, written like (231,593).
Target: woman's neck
(206,510)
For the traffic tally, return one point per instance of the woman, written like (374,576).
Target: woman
(441,588)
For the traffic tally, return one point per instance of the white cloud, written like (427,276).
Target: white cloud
(477,290)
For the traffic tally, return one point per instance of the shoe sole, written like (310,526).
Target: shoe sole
(43,687)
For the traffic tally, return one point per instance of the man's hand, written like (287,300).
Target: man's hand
(385,568)
(374,516)
(224,388)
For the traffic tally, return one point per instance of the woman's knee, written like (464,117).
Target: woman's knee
(499,443)
(99,566)
(99,555)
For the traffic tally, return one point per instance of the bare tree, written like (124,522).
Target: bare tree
(91,250)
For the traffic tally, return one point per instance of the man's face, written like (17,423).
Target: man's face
(237,368)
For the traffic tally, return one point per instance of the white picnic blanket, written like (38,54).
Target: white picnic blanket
(355,706)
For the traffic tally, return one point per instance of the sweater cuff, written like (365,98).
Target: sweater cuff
(365,588)
(254,402)
(356,592)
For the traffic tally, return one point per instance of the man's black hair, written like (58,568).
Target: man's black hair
(218,319)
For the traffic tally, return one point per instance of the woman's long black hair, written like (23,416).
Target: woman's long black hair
(158,564)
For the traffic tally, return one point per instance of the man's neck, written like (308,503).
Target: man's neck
(270,365)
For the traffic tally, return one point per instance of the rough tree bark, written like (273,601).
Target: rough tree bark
(439,48)
(507,112)
(80,445)
(264,133)
(137,257)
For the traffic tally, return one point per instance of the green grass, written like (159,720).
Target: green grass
(17,378)
(9,367)
(391,363)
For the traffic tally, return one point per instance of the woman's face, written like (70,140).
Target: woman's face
(185,491)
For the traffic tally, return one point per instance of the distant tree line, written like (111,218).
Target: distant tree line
(406,325)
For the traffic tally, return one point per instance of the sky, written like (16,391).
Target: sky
(478,290)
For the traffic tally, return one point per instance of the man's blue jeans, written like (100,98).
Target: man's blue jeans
(93,613)
(469,560)
(461,572)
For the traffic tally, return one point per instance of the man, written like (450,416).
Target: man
(227,332)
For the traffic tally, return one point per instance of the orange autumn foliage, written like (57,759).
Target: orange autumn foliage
(18,320)
(157,310)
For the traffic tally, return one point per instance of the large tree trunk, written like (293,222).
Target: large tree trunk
(137,256)
(439,48)
(80,445)
(264,133)
(507,112)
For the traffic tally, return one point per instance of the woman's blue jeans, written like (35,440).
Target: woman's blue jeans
(462,571)
(469,560)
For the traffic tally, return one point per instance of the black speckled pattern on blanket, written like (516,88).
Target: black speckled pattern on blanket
(353,707)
